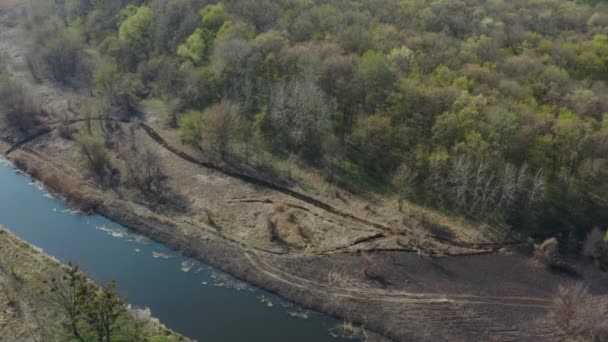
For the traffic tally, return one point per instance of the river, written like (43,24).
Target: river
(188,296)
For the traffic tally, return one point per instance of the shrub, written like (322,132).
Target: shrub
(547,253)
(190,129)
(595,246)
(95,155)
(21,109)
(579,315)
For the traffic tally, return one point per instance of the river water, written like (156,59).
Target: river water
(188,296)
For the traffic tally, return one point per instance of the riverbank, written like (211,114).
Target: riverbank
(403,295)
(27,311)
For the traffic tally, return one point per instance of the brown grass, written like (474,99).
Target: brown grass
(61,185)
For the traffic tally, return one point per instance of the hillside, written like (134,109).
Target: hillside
(30,312)
(381,161)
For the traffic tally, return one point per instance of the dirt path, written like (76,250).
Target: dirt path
(397,296)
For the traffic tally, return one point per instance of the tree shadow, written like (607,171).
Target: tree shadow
(565,270)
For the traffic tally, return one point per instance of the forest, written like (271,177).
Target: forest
(494,110)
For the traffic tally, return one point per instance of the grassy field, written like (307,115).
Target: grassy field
(27,312)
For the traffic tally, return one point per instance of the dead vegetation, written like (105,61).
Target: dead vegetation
(579,315)
(20,108)
(285,227)
(61,185)
(547,253)
(596,247)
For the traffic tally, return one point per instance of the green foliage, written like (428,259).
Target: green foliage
(376,76)
(375,143)
(446,88)
(214,16)
(97,313)
(191,125)
(194,47)
(136,31)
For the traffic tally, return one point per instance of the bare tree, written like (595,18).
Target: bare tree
(403,180)
(21,109)
(145,172)
(95,155)
(301,113)
(579,315)
(220,125)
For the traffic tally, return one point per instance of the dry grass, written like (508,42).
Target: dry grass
(579,315)
(61,185)
(338,279)
(349,330)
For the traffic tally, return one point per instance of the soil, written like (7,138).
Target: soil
(408,276)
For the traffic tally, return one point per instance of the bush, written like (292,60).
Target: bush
(190,129)
(579,315)
(596,247)
(22,111)
(547,253)
(95,155)
(145,172)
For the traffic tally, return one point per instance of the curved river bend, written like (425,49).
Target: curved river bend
(186,295)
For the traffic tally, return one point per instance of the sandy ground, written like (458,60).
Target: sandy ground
(409,276)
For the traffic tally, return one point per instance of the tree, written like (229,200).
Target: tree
(67,291)
(121,90)
(64,58)
(136,33)
(220,125)
(301,114)
(374,144)
(145,172)
(214,16)
(376,76)
(404,181)
(95,155)
(21,110)
(102,309)
(194,47)
(191,129)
